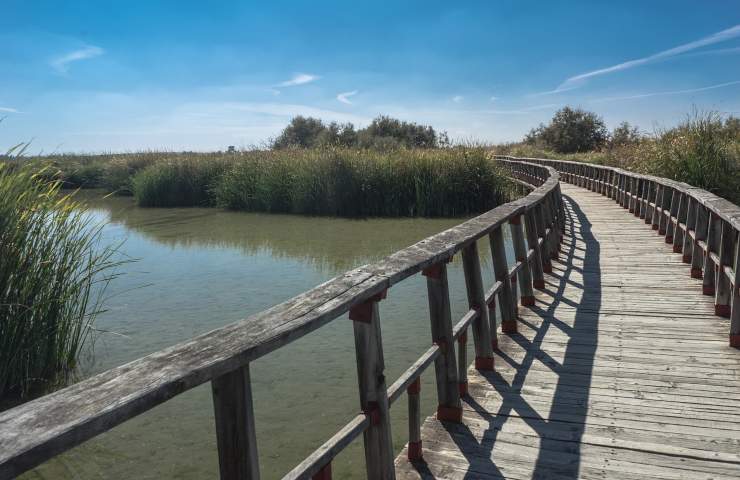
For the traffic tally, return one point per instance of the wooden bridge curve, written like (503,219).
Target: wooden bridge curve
(620,370)
(617,364)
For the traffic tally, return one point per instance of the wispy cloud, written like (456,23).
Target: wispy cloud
(493,99)
(61,64)
(298,79)
(8,110)
(578,80)
(458,98)
(344,97)
(672,92)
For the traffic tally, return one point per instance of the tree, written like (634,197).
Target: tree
(624,134)
(571,130)
(302,132)
(407,134)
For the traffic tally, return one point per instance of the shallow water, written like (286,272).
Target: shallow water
(199,269)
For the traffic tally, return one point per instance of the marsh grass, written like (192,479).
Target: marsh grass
(53,272)
(330,181)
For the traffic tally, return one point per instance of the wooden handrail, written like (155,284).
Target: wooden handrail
(701,226)
(40,429)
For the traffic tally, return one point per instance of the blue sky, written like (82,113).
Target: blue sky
(128,75)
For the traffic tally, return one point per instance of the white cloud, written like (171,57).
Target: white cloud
(344,97)
(8,110)
(298,79)
(673,92)
(493,99)
(61,64)
(458,98)
(578,80)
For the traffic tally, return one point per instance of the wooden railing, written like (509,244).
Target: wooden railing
(701,226)
(40,429)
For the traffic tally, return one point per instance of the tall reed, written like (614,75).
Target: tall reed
(53,270)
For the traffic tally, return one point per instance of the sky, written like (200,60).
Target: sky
(110,76)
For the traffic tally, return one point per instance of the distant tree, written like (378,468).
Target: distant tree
(390,131)
(571,130)
(302,132)
(336,134)
(624,134)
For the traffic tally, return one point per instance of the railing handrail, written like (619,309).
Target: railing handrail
(33,432)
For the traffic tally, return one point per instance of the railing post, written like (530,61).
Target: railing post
(665,209)
(642,205)
(714,233)
(415,448)
(649,197)
(520,252)
(657,205)
(538,278)
(688,242)
(722,284)
(449,407)
(672,213)
(678,232)
(507,302)
(735,301)
(235,432)
(373,392)
(542,233)
(700,234)
(462,362)
(484,327)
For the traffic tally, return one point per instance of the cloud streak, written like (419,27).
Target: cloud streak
(344,97)
(61,64)
(298,79)
(8,110)
(672,92)
(578,80)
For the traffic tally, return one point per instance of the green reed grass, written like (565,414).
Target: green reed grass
(330,181)
(53,271)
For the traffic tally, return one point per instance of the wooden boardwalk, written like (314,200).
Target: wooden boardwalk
(620,370)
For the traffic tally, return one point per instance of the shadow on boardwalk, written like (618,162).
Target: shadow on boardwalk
(561,431)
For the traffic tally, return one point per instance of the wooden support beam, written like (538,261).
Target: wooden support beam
(714,233)
(507,301)
(520,253)
(373,392)
(414,448)
(723,286)
(235,433)
(449,407)
(700,234)
(530,224)
(484,327)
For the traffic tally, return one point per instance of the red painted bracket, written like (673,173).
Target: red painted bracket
(547,266)
(735,340)
(696,273)
(707,290)
(515,220)
(527,300)
(722,311)
(494,343)
(363,312)
(661,231)
(323,474)
(435,271)
(442,344)
(463,338)
(654,227)
(449,414)
(414,451)
(415,387)
(492,303)
(539,284)
(373,413)
(686,258)
(462,387)
(486,363)
(677,248)
(508,326)
(669,239)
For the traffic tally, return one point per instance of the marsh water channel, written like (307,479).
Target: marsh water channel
(199,269)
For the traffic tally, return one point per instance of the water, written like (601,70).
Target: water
(199,269)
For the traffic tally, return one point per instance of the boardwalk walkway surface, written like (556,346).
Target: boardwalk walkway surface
(620,370)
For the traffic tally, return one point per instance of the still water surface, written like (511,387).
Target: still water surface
(199,269)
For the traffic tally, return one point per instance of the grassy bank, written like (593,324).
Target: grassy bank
(52,271)
(703,151)
(321,181)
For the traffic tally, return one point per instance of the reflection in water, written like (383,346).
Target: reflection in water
(199,269)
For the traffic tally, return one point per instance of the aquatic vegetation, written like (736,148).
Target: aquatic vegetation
(53,271)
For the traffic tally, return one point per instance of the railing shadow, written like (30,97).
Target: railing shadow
(560,429)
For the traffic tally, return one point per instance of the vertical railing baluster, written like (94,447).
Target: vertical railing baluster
(530,224)
(672,215)
(714,233)
(688,242)
(700,234)
(449,407)
(678,232)
(520,252)
(413,394)
(484,327)
(507,302)
(665,208)
(659,189)
(722,284)
(235,432)
(735,300)
(373,392)
(462,362)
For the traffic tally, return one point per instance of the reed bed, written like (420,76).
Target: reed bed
(53,272)
(347,182)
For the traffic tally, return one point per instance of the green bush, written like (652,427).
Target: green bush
(177,183)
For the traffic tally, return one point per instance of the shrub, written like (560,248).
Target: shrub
(177,183)
(571,130)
